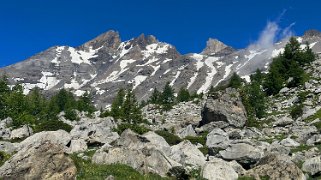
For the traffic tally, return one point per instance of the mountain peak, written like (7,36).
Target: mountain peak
(110,39)
(312,33)
(214,46)
(143,40)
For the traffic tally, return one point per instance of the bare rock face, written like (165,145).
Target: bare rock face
(218,169)
(214,46)
(44,161)
(276,166)
(224,107)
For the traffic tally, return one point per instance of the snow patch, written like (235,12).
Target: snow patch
(156,68)
(276,52)
(167,71)
(247,78)
(138,80)
(192,80)
(210,75)
(166,60)
(157,48)
(79,57)
(175,78)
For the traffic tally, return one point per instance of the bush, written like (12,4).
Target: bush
(3,157)
(170,138)
(52,125)
(297,111)
(134,127)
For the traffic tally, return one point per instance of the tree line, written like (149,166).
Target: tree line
(37,111)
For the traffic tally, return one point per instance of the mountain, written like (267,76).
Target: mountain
(105,64)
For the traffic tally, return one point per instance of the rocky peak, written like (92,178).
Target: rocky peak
(214,46)
(109,39)
(312,33)
(142,41)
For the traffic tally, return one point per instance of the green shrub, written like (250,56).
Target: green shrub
(52,125)
(134,127)
(246,178)
(204,150)
(297,111)
(170,138)
(3,157)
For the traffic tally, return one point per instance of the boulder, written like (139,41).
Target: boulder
(224,106)
(146,160)
(276,167)
(243,153)
(187,131)
(312,165)
(78,145)
(5,132)
(187,154)
(59,137)
(20,133)
(157,142)
(95,131)
(147,153)
(288,142)
(8,147)
(216,138)
(218,169)
(284,121)
(42,161)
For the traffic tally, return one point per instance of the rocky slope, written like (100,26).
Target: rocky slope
(105,64)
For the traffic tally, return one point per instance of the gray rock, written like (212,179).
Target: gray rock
(187,131)
(95,130)
(284,121)
(276,167)
(218,169)
(20,133)
(312,165)
(59,137)
(217,138)
(143,153)
(315,139)
(243,153)
(187,154)
(224,106)
(288,142)
(78,145)
(42,161)
(8,147)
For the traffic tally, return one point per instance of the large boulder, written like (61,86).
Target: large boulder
(187,131)
(218,169)
(276,167)
(243,153)
(77,145)
(147,153)
(20,133)
(187,154)
(42,161)
(5,131)
(312,165)
(224,106)
(217,138)
(59,137)
(95,131)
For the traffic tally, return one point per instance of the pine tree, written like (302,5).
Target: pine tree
(235,81)
(155,98)
(4,91)
(168,97)
(183,95)
(116,106)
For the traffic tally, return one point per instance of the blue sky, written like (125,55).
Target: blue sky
(29,27)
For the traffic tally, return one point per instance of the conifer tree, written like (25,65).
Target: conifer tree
(168,97)
(183,95)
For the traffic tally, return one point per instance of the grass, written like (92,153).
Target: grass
(197,139)
(302,147)
(87,170)
(313,117)
(3,157)
(246,178)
